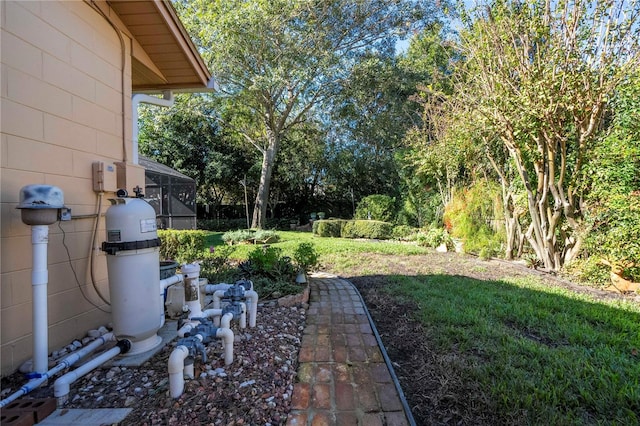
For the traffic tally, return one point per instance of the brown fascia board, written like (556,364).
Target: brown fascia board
(184,40)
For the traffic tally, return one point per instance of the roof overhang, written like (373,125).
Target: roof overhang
(163,55)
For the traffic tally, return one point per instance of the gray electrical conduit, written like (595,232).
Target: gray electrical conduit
(403,400)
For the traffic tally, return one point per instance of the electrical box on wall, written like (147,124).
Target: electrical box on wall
(104,177)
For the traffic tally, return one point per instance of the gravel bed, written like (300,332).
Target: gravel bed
(255,389)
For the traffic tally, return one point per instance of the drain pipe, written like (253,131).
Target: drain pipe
(67,362)
(167,100)
(62,384)
(40,279)
(39,207)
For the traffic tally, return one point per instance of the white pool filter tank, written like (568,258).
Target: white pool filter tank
(133,260)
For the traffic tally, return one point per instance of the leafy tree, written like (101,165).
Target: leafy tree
(282,58)
(376,207)
(187,138)
(538,75)
(613,180)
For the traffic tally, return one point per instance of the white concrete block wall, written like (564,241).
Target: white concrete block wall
(61,90)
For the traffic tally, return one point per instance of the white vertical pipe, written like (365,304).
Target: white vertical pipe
(39,281)
(140,98)
(252,298)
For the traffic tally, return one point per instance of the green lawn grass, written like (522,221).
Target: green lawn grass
(330,249)
(544,355)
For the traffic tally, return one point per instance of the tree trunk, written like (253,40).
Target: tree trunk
(262,197)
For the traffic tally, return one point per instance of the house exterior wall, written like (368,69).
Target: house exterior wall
(61,110)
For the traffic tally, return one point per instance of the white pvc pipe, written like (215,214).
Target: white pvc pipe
(62,384)
(39,281)
(227,339)
(217,296)
(252,299)
(195,310)
(225,321)
(176,370)
(67,362)
(187,328)
(174,279)
(243,315)
(189,371)
(140,98)
(212,288)
(208,313)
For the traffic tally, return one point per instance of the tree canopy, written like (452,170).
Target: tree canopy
(282,58)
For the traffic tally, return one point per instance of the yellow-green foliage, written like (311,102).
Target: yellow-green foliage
(475,216)
(182,246)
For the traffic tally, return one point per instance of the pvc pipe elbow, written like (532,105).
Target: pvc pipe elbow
(227,338)
(174,279)
(225,321)
(176,370)
(176,359)
(187,328)
(217,296)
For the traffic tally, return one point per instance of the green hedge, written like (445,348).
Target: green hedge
(182,246)
(373,229)
(328,228)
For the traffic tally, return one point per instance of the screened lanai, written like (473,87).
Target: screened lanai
(172,195)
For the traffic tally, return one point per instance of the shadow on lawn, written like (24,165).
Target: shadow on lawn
(470,351)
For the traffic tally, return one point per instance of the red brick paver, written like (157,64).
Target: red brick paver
(342,377)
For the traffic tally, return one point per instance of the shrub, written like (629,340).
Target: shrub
(306,256)
(434,237)
(367,229)
(238,236)
(182,246)
(613,202)
(264,236)
(215,265)
(328,228)
(268,262)
(260,236)
(376,207)
(403,232)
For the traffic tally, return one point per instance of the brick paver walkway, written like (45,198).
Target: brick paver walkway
(342,377)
